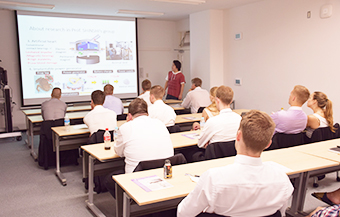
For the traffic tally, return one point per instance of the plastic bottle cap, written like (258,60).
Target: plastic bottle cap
(107,129)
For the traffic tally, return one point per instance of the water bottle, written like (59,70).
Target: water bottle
(167,169)
(67,123)
(107,139)
(202,123)
(115,134)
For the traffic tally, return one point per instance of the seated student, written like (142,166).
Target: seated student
(111,102)
(54,108)
(323,113)
(159,109)
(196,97)
(248,187)
(293,120)
(222,127)
(100,118)
(142,138)
(209,111)
(146,86)
(331,211)
(331,198)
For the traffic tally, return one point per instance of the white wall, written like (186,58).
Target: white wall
(281,48)
(156,40)
(206,45)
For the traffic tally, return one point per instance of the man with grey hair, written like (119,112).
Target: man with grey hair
(54,108)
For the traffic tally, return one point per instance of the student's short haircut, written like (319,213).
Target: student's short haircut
(108,89)
(138,106)
(157,91)
(301,93)
(177,64)
(225,94)
(197,82)
(98,97)
(56,92)
(146,84)
(257,130)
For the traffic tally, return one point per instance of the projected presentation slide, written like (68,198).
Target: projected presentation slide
(78,55)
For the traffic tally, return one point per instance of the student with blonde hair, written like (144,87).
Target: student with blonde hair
(323,112)
(209,111)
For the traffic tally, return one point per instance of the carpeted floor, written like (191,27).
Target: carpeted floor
(28,190)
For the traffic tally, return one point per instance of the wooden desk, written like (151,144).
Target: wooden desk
(68,140)
(109,159)
(172,101)
(180,119)
(127,190)
(240,111)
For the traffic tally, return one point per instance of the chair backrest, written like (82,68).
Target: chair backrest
(98,137)
(152,164)
(282,140)
(204,214)
(46,126)
(200,110)
(322,134)
(174,129)
(220,149)
(121,117)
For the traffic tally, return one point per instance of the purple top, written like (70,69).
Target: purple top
(292,121)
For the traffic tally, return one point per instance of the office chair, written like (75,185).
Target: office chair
(282,140)
(203,214)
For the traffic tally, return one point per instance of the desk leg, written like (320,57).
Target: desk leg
(85,165)
(31,142)
(303,193)
(27,131)
(119,200)
(126,205)
(89,202)
(297,194)
(55,139)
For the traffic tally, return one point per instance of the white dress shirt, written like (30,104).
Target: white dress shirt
(100,118)
(163,112)
(246,188)
(220,128)
(141,139)
(114,103)
(195,99)
(146,97)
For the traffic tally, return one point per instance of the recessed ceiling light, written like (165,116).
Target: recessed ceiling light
(24,4)
(191,2)
(148,13)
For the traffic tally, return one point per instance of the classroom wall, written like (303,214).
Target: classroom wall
(280,48)
(156,41)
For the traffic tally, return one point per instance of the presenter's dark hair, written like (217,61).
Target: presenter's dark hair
(138,106)
(177,64)
(98,97)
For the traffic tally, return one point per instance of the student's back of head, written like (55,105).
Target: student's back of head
(146,85)
(157,91)
(225,94)
(56,93)
(301,93)
(98,97)
(257,130)
(197,82)
(138,106)
(108,89)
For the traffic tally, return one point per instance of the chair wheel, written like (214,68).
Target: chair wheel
(338,179)
(315,185)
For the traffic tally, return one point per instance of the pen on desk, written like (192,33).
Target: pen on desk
(338,146)
(188,174)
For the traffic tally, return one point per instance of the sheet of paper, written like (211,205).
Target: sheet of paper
(80,126)
(190,118)
(152,183)
(191,135)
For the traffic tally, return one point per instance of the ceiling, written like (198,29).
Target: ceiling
(172,11)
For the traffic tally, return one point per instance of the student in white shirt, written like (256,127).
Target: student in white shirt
(100,118)
(222,127)
(248,187)
(111,102)
(146,86)
(196,97)
(142,138)
(159,109)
